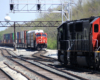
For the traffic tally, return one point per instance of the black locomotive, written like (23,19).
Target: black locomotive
(78,42)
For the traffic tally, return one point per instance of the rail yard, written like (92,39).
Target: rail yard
(53,40)
(35,65)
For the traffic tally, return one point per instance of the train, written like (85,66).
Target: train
(78,42)
(26,39)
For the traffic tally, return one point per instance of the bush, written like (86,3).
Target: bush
(51,43)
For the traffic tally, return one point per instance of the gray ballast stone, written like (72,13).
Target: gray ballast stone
(12,73)
(53,70)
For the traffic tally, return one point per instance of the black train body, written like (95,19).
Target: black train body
(78,42)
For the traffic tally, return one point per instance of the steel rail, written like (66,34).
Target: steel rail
(61,70)
(47,69)
(6,74)
(40,67)
(22,58)
(27,67)
(17,71)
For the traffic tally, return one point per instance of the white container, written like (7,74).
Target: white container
(28,37)
(16,37)
(22,37)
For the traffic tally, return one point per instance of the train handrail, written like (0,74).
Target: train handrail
(69,41)
(97,42)
(73,41)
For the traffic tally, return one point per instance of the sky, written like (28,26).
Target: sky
(4,9)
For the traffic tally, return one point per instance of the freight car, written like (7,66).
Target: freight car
(26,39)
(78,42)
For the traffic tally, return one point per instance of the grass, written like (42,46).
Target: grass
(52,44)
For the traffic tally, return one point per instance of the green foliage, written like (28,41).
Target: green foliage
(87,9)
(52,43)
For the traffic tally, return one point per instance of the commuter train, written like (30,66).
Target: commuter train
(26,39)
(78,42)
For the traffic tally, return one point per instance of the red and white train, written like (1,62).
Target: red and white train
(26,39)
(36,39)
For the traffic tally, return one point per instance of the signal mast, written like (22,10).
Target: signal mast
(43,6)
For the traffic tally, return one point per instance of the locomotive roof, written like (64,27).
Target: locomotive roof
(35,31)
(63,23)
(91,19)
(94,20)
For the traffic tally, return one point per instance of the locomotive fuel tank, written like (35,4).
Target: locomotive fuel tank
(81,60)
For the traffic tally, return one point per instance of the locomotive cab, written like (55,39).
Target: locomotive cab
(62,42)
(96,34)
(41,40)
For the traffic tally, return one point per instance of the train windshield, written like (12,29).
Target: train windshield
(44,35)
(38,35)
(96,28)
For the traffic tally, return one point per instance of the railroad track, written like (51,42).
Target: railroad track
(42,69)
(41,55)
(52,61)
(4,75)
(38,56)
(25,65)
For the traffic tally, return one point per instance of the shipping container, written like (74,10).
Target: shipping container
(22,36)
(28,37)
(25,37)
(16,37)
(13,36)
(19,37)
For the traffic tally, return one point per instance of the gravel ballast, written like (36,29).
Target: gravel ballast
(28,53)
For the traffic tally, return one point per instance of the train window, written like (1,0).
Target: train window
(96,28)
(61,32)
(38,35)
(79,27)
(44,35)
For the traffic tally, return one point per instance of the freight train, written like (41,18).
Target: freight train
(26,39)
(78,42)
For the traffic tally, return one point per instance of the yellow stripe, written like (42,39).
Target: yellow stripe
(97,51)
